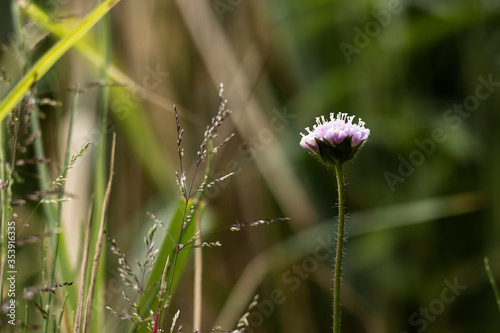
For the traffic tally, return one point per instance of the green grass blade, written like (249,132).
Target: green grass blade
(4,202)
(131,118)
(86,46)
(101,175)
(52,56)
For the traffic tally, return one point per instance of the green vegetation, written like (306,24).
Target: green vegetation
(422,203)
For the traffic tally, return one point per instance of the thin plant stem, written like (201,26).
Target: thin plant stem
(198,272)
(178,244)
(26,315)
(198,254)
(83,273)
(492,280)
(59,323)
(340,247)
(162,288)
(187,196)
(99,244)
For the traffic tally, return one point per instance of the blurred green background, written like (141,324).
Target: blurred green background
(423,207)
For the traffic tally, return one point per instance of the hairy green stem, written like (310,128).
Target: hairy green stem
(340,246)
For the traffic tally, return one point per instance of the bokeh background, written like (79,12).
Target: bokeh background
(422,195)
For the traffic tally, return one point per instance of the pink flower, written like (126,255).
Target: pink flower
(337,140)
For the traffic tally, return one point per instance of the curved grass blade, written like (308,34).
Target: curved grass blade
(131,117)
(52,56)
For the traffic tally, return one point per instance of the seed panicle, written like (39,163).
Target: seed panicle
(212,129)
(238,226)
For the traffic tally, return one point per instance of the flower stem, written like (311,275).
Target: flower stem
(340,246)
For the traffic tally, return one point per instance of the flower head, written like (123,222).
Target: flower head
(335,141)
